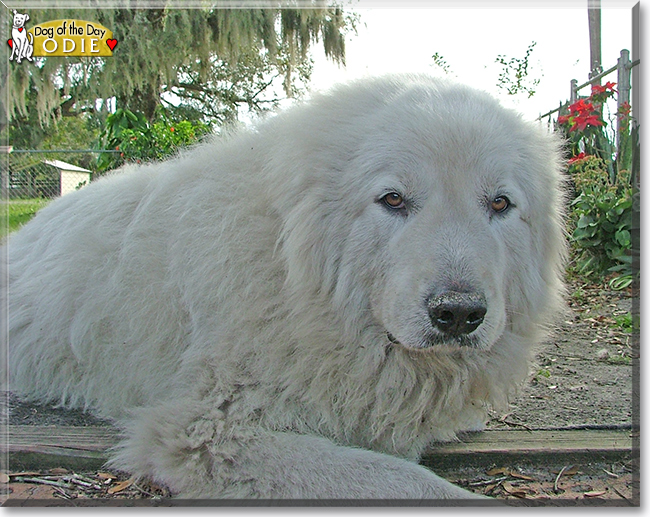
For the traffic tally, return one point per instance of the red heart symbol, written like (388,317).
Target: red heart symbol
(20,29)
(111,43)
(10,42)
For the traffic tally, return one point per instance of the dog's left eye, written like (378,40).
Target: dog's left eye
(393,200)
(500,204)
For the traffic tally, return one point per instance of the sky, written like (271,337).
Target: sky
(470,37)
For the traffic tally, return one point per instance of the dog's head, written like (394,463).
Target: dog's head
(431,213)
(20,19)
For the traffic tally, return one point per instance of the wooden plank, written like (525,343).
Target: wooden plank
(91,438)
(521,441)
(74,447)
(526,447)
(40,447)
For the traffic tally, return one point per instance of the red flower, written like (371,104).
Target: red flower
(582,114)
(583,121)
(581,106)
(624,110)
(596,89)
(578,158)
(171,129)
(623,115)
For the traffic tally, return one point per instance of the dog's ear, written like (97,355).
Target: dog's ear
(15,12)
(26,18)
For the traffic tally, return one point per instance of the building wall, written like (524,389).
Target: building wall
(70,180)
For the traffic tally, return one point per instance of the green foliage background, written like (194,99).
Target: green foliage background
(213,59)
(601,221)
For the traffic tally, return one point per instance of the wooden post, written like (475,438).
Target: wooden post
(593,12)
(573,96)
(624,71)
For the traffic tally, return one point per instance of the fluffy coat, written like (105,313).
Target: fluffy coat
(254,315)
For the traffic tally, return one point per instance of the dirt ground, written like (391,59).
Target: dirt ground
(582,378)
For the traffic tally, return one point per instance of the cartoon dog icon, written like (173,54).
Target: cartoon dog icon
(22,42)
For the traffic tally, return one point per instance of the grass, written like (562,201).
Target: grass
(16,212)
(624,322)
(623,360)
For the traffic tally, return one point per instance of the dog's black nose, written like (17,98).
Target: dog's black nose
(457,314)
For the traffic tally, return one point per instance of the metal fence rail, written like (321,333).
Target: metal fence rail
(623,69)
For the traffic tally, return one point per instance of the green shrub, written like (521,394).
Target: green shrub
(601,220)
(139,140)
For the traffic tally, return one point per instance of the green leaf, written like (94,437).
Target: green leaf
(623,205)
(608,226)
(585,221)
(131,115)
(621,282)
(584,233)
(623,237)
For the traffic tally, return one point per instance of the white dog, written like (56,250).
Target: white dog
(22,46)
(300,310)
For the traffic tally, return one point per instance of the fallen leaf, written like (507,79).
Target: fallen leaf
(521,476)
(58,471)
(498,470)
(106,475)
(514,491)
(595,493)
(122,485)
(490,488)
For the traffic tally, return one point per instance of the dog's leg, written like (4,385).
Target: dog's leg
(205,456)
(30,47)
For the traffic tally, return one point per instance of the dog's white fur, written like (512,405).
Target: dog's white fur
(232,305)
(22,46)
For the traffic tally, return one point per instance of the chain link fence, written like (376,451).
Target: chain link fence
(30,179)
(41,174)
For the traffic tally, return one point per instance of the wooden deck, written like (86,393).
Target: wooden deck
(39,447)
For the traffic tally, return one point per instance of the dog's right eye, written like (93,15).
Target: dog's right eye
(500,204)
(393,200)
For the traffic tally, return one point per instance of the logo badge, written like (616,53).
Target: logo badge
(60,38)
(21,42)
